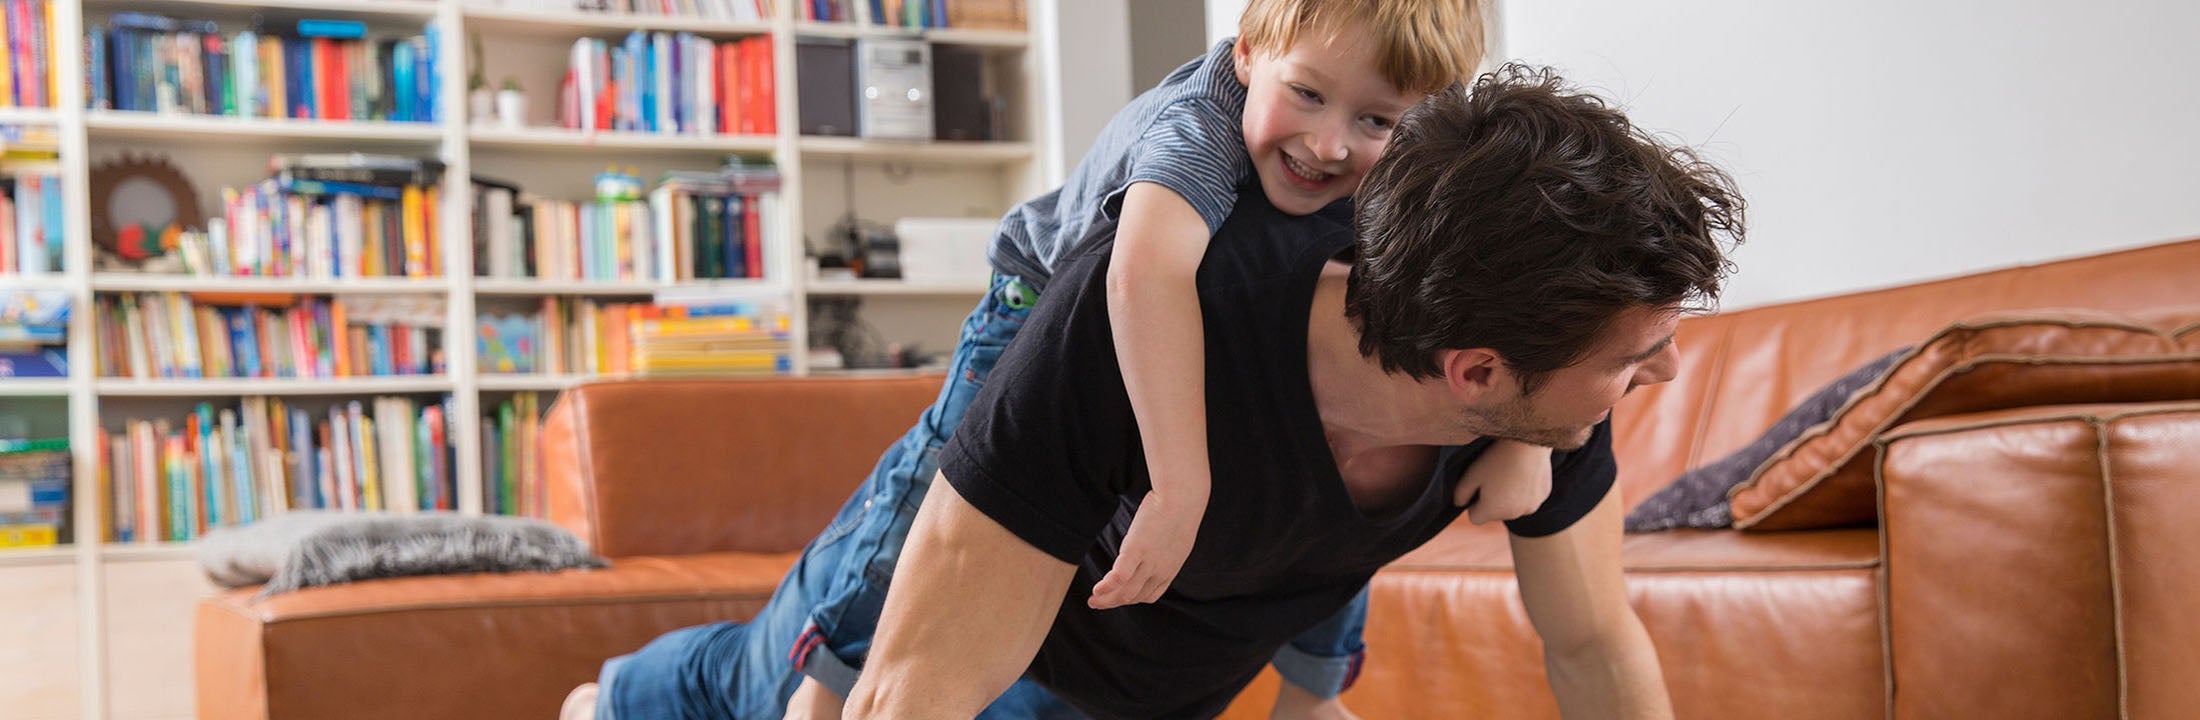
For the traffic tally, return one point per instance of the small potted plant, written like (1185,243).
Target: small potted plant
(511,105)
(480,100)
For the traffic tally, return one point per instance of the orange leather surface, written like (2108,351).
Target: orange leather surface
(656,467)
(2071,592)
(1824,479)
(464,646)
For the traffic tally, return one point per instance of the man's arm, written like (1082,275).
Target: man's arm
(1599,659)
(967,609)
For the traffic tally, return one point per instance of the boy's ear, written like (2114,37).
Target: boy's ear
(1471,375)
(1241,57)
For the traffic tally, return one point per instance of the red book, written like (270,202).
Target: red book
(329,97)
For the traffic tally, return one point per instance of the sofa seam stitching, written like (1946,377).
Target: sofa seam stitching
(2115,576)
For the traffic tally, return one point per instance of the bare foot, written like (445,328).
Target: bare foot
(579,704)
(812,701)
(1294,703)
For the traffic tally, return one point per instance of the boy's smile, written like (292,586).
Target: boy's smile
(1316,115)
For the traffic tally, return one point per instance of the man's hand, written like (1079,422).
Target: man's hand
(1295,703)
(1161,535)
(1513,479)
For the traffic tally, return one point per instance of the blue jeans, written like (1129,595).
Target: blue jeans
(820,621)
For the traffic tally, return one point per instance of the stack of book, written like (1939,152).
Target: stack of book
(670,83)
(511,470)
(313,69)
(172,481)
(34,327)
(214,335)
(711,336)
(34,493)
(28,75)
(336,215)
(695,225)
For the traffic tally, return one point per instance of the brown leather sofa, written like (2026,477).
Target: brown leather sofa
(2029,561)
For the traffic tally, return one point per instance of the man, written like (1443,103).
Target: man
(1522,257)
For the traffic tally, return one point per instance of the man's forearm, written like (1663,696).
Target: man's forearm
(1617,677)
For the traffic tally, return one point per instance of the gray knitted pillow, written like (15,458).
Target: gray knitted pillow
(1697,499)
(306,548)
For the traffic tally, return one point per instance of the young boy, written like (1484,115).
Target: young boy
(1303,99)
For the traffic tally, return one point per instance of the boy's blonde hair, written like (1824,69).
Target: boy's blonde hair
(1421,45)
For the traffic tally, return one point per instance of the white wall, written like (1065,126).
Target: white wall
(1093,71)
(1880,142)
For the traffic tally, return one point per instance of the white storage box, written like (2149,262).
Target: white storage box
(945,250)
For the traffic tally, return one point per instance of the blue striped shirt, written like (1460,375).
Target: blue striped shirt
(1185,134)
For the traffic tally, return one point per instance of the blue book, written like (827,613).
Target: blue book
(432,82)
(304,492)
(53,222)
(378,350)
(244,338)
(95,56)
(331,187)
(338,29)
(209,467)
(242,479)
(401,81)
(47,362)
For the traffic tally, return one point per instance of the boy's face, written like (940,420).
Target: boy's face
(1316,116)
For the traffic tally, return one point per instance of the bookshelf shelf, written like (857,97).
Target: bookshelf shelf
(938,152)
(988,38)
(568,23)
(144,125)
(895,287)
(43,387)
(319,8)
(33,282)
(28,116)
(493,382)
(529,287)
(562,139)
(57,555)
(214,387)
(128,282)
(150,551)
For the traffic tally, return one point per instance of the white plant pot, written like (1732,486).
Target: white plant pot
(481,106)
(511,109)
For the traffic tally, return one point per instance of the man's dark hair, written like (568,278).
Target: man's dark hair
(1523,216)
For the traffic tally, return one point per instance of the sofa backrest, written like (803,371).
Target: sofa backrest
(1741,371)
(668,467)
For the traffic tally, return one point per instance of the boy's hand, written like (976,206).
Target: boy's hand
(1161,535)
(1512,478)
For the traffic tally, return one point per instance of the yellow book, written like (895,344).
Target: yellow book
(271,76)
(430,232)
(416,231)
(370,477)
(7,78)
(370,219)
(53,69)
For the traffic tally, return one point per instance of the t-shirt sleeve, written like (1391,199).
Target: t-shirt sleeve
(1196,149)
(1044,448)
(1579,480)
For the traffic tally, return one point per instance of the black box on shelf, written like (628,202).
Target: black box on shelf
(960,109)
(825,70)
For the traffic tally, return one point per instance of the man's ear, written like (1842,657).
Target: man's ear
(1241,57)
(1472,374)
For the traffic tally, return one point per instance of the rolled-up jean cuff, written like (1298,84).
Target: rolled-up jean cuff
(1324,676)
(604,707)
(822,665)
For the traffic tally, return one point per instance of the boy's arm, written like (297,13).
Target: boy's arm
(1599,659)
(1508,481)
(1153,299)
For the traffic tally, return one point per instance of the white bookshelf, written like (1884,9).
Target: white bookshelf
(126,605)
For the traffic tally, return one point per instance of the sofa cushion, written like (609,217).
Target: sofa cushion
(1824,479)
(1697,499)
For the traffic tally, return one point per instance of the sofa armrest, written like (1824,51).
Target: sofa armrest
(671,467)
(2040,561)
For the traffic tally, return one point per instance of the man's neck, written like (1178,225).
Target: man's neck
(1362,407)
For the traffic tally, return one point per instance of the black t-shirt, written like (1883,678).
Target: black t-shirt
(1050,450)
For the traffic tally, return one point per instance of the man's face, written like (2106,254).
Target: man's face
(1638,350)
